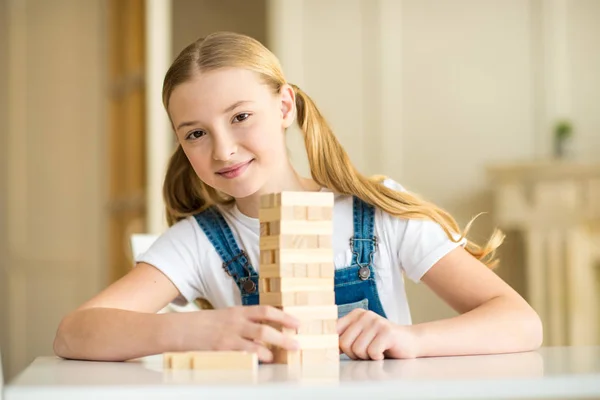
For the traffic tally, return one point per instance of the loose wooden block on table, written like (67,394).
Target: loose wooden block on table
(211,360)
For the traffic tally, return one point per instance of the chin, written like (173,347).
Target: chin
(240,190)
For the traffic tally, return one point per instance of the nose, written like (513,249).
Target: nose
(224,146)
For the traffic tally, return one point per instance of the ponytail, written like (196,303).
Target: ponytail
(331,167)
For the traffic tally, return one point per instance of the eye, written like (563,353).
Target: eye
(195,135)
(241,117)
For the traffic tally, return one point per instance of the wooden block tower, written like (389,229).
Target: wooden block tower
(297,272)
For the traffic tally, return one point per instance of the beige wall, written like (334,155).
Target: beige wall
(195,18)
(430,92)
(54,156)
(583,32)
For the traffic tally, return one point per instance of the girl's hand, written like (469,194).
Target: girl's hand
(365,335)
(241,328)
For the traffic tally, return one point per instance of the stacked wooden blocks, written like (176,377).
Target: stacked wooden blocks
(297,272)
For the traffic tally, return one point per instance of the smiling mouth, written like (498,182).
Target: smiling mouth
(235,170)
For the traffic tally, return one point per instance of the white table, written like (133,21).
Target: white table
(553,372)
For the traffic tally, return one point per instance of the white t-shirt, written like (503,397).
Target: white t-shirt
(406,246)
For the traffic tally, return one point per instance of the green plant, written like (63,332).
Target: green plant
(563,129)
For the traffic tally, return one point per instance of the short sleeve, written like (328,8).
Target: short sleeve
(175,253)
(423,244)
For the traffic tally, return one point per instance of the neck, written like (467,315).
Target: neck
(289,180)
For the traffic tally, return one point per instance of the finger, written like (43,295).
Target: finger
(264,354)
(363,341)
(272,314)
(348,337)
(270,336)
(378,346)
(347,320)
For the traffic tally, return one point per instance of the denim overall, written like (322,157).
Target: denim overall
(355,285)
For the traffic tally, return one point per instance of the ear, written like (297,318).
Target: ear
(288,105)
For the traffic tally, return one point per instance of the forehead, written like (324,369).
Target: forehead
(211,92)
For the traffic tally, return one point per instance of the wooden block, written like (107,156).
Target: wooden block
(274,228)
(207,360)
(299,284)
(276,270)
(302,256)
(318,341)
(324,242)
(313,298)
(269,243)
(329,326)
(318,327)
(305,227)
(279,299)
(291,358)
(279,214)
(311,327)
(319,213)
(285,271)
(319,199)
(320,357)
(289,242)
(313,270)
(264,229)
(280,328)
(267,200)
(270,200)
(300,270)
(327,270)
(299,241)
(177,360)
(269,214)
(308,313)
(267,256)
(300,213)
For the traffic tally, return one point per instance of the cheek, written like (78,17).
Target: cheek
(266,137)
(200,161)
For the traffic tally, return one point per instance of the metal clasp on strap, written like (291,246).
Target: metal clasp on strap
(364,272)
(246,283)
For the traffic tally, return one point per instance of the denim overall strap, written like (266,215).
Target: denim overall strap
(236,262)
(363,244)
(355,285)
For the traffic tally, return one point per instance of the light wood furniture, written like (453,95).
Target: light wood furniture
(556,206)
(126,131)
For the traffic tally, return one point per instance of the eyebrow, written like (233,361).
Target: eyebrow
(228,109)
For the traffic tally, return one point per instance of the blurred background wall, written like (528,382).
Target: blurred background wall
(429,92)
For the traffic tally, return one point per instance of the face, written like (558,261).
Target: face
(231,127)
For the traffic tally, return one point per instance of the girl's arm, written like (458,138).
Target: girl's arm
(493,317)
(121,323)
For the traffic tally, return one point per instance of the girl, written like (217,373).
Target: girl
(230,104)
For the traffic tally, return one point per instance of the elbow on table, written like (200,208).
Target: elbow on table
(533,330)
(60,345)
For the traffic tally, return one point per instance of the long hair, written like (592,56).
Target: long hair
(185,194)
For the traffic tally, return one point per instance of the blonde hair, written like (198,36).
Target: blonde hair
(185,194)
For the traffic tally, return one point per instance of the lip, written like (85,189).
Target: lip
(233,167)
